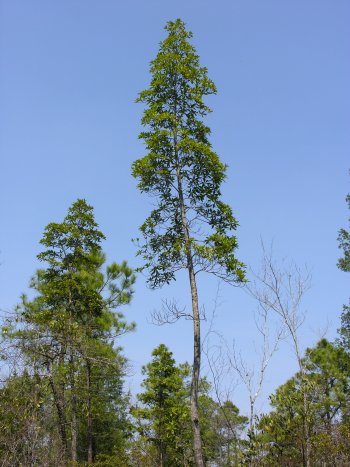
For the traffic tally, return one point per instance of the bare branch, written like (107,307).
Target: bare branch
(169,313)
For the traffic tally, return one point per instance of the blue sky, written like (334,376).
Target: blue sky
(69,75)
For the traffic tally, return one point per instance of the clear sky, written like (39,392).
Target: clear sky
(69,75)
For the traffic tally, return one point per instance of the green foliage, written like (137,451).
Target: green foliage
(181,171)
(344,331)
(76,302)
(190,227)
(68,331)
(27,423)
(344,265)
(163,418)
(328,370)
(325,386)
(222,429)
(344,244)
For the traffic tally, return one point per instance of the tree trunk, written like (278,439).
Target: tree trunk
(162,455)
(60,407)
(251,429)
(89,415)
(197,441)
(74,412)
(306,433)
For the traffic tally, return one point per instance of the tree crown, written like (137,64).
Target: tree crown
(181,171)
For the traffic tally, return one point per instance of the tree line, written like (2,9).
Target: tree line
(62,397)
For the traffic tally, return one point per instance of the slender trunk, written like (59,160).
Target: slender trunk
(306,443)
(161,443)
(60,407)
(306,432)
(251,415)
(228,452)
(89,415)
(74,412)
(162,455)
(328,411)
(251,429)
(197,442)
(74,422)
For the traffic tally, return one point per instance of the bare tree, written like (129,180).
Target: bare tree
(224,361)
(228,367)
(253,376)
(281,289)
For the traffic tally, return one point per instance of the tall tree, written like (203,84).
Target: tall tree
(67,331)
(344,331)
(344,265)
(281,289)
(190,227)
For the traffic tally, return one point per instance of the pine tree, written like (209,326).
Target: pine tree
(344,244)
(67,331)
(164,413)
(344,265)
(281,440)
(190,227)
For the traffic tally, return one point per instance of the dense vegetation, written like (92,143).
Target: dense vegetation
(63,400)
